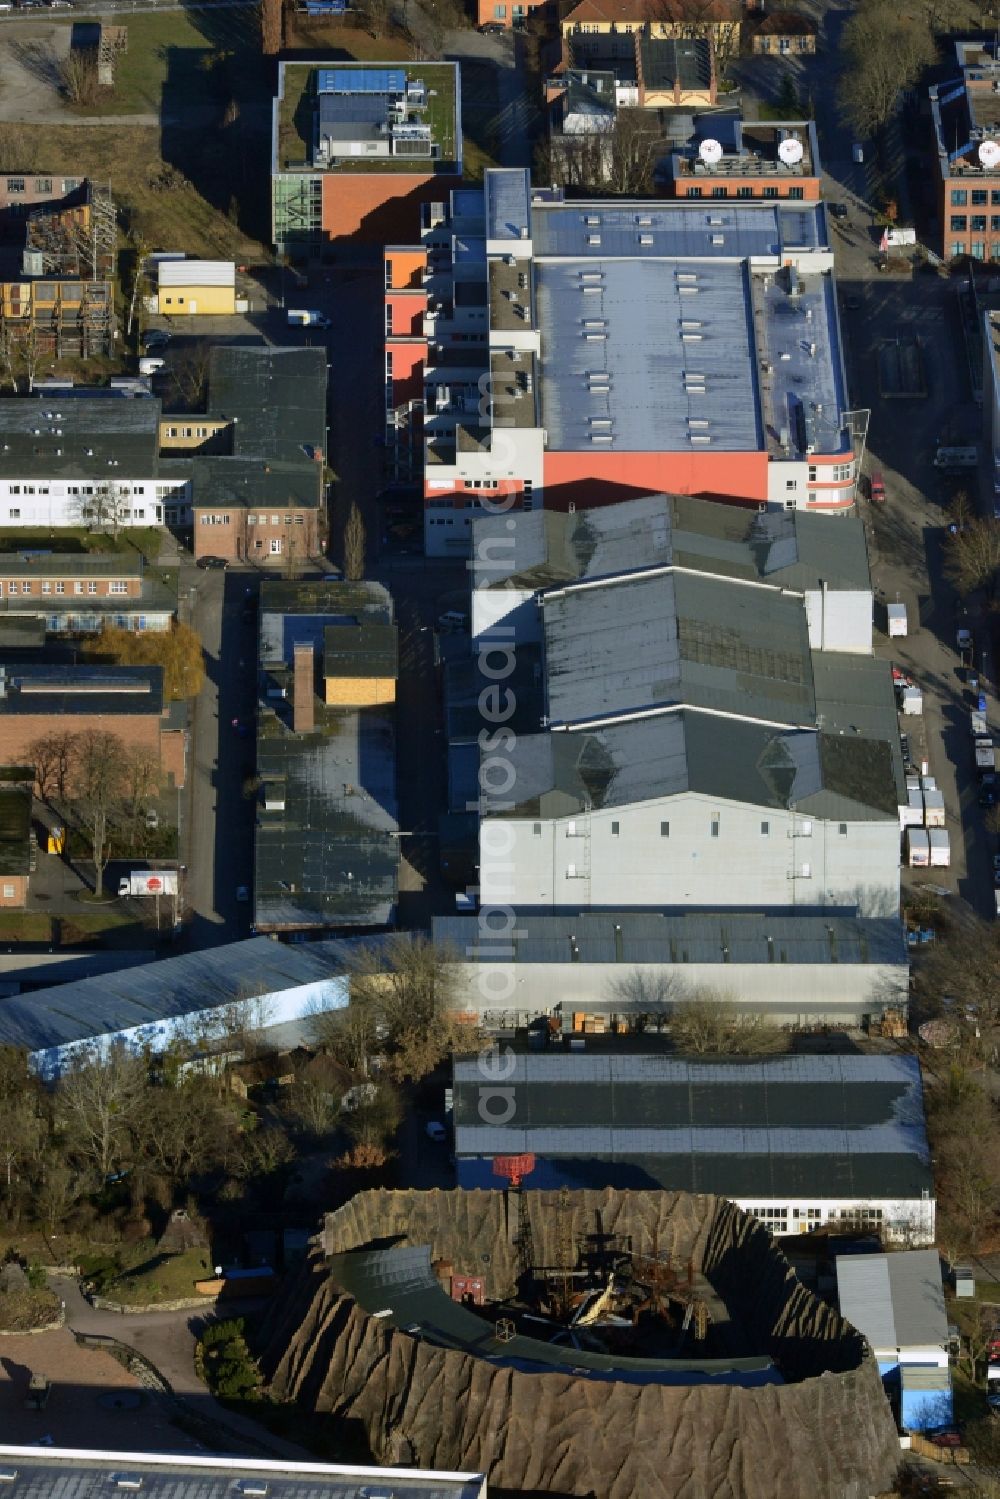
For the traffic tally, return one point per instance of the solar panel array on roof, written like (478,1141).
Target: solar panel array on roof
(361,81)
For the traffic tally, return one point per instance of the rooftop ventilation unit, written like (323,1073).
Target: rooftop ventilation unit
(645,239)
(697,421)
(700,437)
(601,437)
(596,337)
(592,218)
(690,323)
(127,1480)
(644,221)
(687,275)
(593,239)
(253,1488)
(718,239)
(688,291)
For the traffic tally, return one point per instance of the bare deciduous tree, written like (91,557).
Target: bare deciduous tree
(100,1100)
(972,559)
(52,756)
(97,791)
(354,544)
(884,52)
(710,1022)
(79,76)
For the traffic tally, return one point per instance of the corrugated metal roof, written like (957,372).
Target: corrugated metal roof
(896,1300)
(627,938)
(158,991)
(814,1126)
(197,272)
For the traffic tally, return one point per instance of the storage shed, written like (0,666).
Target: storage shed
(196,287)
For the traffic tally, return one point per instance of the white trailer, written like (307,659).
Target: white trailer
(897,619)
(912,815)
(149,882)
(913,700)
(940,847)
(918,848)
(933,808)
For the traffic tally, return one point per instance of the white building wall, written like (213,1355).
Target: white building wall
(786,993)
(202,1026)
(512,608)
(666,854)
(35,501)
(908,1221)
(840,620)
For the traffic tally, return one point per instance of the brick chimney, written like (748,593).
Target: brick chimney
(304,690)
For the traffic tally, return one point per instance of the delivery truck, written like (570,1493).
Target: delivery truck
(980,728)
(897,619)
(149,882)
(985,757)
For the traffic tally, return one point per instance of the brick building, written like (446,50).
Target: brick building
(759,159)
(262,498)
(783,33)
(38,700)
(78,592)
(718,20)
(965,113)
(17,844)
(357,149)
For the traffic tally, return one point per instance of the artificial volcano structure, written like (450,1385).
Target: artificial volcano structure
(603,1344)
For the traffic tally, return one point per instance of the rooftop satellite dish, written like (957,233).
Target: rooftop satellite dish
(989,154)
(790,151)
(710,151)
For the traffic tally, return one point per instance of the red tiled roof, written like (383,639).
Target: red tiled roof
(617,11)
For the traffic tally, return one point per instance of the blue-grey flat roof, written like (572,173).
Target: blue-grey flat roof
(703,230)
(508,204)
(654,356)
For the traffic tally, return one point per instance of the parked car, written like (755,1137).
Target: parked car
(436,1131)
(211,563)
(155,338)
(492,28)
(857,152)
(878,489)
(453,622)
(242,894)
(987,796)
(839,210)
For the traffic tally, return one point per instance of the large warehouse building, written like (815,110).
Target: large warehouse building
(698,720)
(632,968)
(624,348)
(798,1141)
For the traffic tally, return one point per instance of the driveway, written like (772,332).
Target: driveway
(167,1340)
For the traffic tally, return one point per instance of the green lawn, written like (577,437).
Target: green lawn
(295,119)
(151,1277)
(170,57)
(144,539)
(25,926)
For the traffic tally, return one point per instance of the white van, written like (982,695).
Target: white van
(454,622)
(857,152)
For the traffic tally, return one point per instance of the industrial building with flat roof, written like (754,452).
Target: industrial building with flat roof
(80,1474)
(357,148)
(700,724)
(799,1141)
(629,969)
(327,838)
(626,347)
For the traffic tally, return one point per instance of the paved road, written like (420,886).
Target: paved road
(217,822)
(168,1340)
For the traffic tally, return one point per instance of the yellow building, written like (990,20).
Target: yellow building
(188,288)
(718,20)
(360,664)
